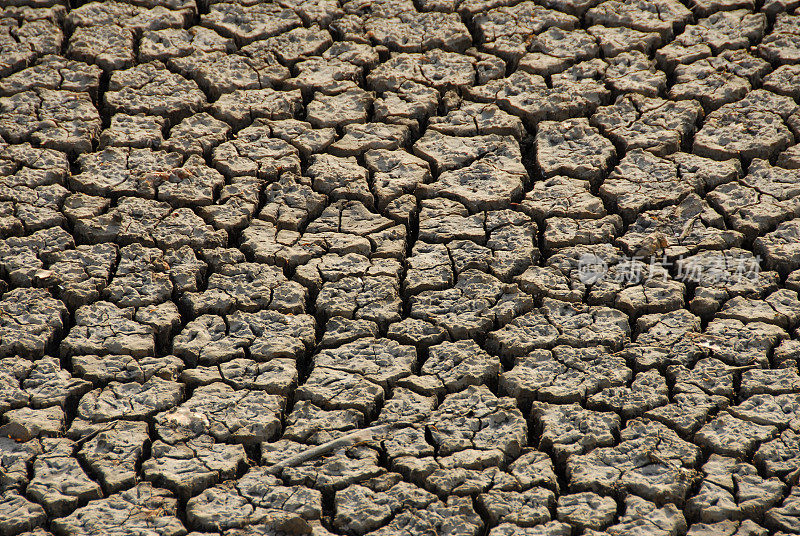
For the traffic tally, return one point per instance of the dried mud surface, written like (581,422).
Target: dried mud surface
(550,248)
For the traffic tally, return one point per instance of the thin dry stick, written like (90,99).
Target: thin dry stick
(359,436)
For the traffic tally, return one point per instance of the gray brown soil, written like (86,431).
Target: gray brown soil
(549,248)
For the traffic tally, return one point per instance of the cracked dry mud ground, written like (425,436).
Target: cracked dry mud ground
(233,231)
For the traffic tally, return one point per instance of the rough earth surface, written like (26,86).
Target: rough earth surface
(548,249)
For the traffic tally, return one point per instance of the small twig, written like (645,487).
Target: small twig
(359,436)
(743,367)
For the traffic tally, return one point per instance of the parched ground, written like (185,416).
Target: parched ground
(545,254)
